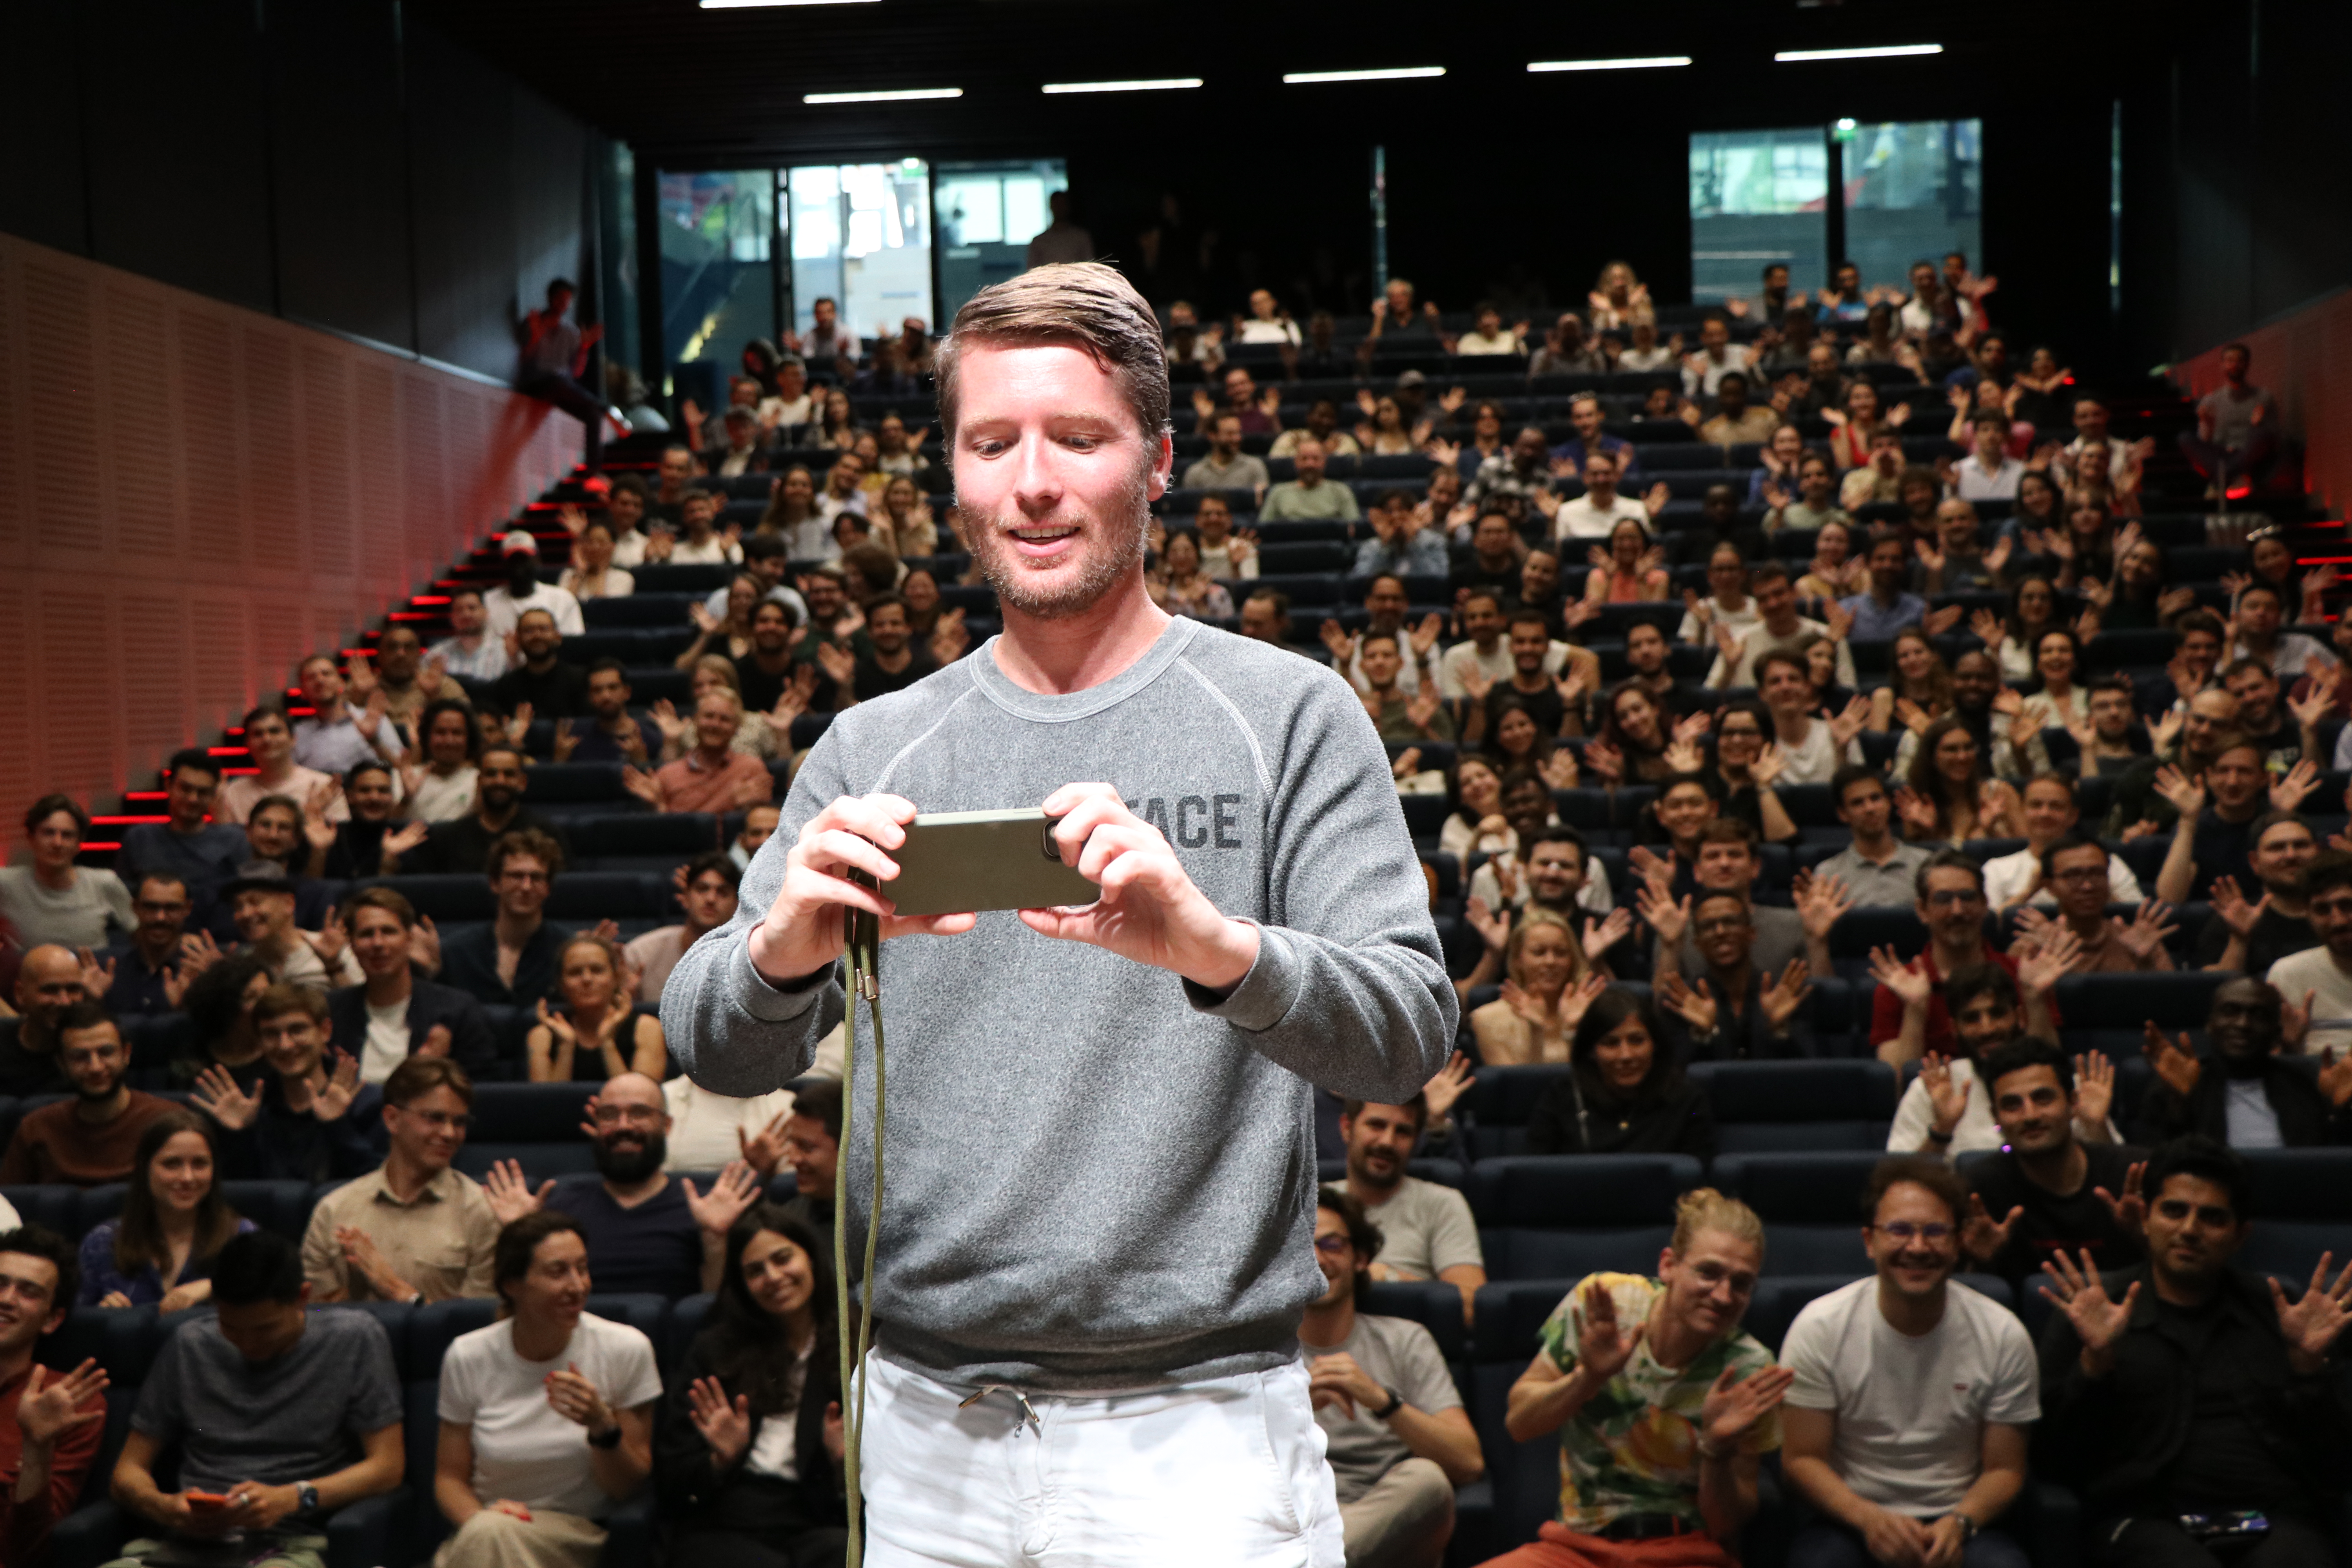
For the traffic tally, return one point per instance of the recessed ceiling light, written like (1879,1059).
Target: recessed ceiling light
(1642,62)
(1393,73)
(1157,84)
(1876,52)
(902,95)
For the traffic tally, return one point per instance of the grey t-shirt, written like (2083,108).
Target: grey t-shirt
(1395,1352)
(80,916)
(292,1419)
(2247,1117)
(1780,937)
(1244,472)
(1426,1228)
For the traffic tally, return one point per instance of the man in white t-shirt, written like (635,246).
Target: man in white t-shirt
(2318,980)
(1947,1110)
(1426,1231)
(1600,509)
(1812,749)
(548,1401)
(1905,1424)
(2051,814)
(1483,648)
(503,606)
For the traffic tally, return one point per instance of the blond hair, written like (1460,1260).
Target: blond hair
(1083,305)
(1527,921)
(1706,1209)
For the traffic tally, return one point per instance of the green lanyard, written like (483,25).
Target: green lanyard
(863,952)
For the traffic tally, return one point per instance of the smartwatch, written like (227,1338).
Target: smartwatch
(306,1497)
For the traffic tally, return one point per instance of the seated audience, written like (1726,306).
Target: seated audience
(1548,982)
(812,1146)
(708,1130)
(2047,804)
(160,1250)
(1877,870)
(892,660)
(337,738)
(220,1015)
(396,1012)
(2237,426)
(1949,797)
(89,1139)
(759,827)
(2246,1094)
(1813,748)
(462,843)
(504,607)
(2251,938)
(1399,544)
(748,1457)
(1310,497)
(1395,1433)
(412,1229)
(2318,979)
(1426,1231)
(2046,1192)
(1595,514)
(595,1032)
(1416,720)
(705,891)
(408,683)
(712,777)
(612,731)
(472,650)
(1778,628)
(270,739)
(511,960)
(189,844)
(1897,1477)
(150,971)
(2076,870)
(52,1420)
(261,899)
(2210,841)
(353,849)
(547,1415)
(539,683)
(299,1122)
(1665,1408)
(1226,467)
(1908,1016)
(287,1413)
(645,1231)
(53,900)
(2189,1398)
(1946,1111)
(1623,1092)
(443,789)
(48,982)
(1731,1009)
(1629,571)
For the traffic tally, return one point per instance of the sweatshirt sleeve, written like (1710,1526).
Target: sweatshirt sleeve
(25,1526)
(1349,989)
(731,1031)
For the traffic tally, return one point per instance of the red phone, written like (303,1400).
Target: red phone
(207,1499)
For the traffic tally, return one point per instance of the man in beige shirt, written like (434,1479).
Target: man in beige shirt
(706,891)
(412,1229)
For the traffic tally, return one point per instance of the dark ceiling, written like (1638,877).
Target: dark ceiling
(689,87)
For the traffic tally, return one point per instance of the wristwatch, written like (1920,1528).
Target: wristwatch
(1395,1404)
(608,1438)
(1968,1527)
(306,1497)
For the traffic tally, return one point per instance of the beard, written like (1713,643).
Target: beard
(1121,552)
(630,1166)
(96,1095)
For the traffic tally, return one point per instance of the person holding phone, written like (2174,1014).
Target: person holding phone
(1128,1275)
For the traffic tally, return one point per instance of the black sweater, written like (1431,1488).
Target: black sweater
(1674,1120)
(703,1497)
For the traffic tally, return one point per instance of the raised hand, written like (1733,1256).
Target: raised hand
(2311,1324)
(2094,1089)
(1559,769)
(1578,997)
(2287,794)
(2057,950)
(2177,1065)
(1911,986)
(1938,622)
(53,1401)
(1820,903)
(1947,1098)
(1689,1001)
(1735,1404)
(1600,935)
(725,1424)
(2336,1076)
(1979,1236)
(1606,762)
(510,1194)
(2148,927)
(1917,813)
(1493,929)
(1664,916)
(2130,1211)
(735,1189)
(1603,1345)
(1452,1082)
(1767,764)
(2099,1321)
(96,977)
(216,1095)
(1850,722)
(1782,997)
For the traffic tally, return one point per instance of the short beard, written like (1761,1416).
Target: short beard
(630,1168)
(1006,574)
(104,1094)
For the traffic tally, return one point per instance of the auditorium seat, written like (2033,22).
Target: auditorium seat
(1546,1217)
(2302,1203)
(1811,1204)
(1766,1107)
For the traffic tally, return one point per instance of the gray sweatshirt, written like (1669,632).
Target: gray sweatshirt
(1097,1175)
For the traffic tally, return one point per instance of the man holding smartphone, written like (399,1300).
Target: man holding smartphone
(1121,1284)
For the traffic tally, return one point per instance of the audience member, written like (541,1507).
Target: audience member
(1426,1231)
(300,1121)
(150,971)
(712,777)
(1909,1017)
(2246,1094)
(48,982)
(160,1250)
(1946,1112)
(2210,841)
(1226,467)
(759,827)
(1778,628)
(2252,938)
(443,789)
(504,607)
(613,731)
(1600,509)
(2260,609)
(2207,720)
(644,1232)
(1395,1433)
(540,683)
(188,844)
(1897,1476)
(512,960)
(813,1148)
(2188,1400)
(52,1421)
(412,1229)
(1877,870)
(462,843)
(748,1457)
(547,1414)
(395,1013)
(1887,607)
(2237,426)
(1401,544)
(335,739)
(1731,1008)
(289,1414)
(595,1031)
(892,660)
(2054,1193)
(471,648)
(2076,870)
(1623,1093)
(1813,748)
(1664,1405)
(400,673)
(1310,497)
(261,899)
(272,742)
(706,891)
(87,1141)
(2051,814)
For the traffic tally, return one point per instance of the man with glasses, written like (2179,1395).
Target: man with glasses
(1906,1422)
(190,843)
(2198,1409)
(1908,1016)
(412,1229)
(2318,980)
(2211,841)
(2051,813)
(2076,870)
(308,1118)
(643,1232)
(2209,717)
(2245,1094)
(510,962)
(148,970)
(93,1138)
(1733,1009)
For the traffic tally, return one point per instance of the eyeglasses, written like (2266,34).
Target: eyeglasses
(1905,1232)
(1332,1245)
(438,1119)
(1951,898)
(2081,874)
(1722,922)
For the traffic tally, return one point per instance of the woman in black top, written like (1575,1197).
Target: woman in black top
(1623,1094)
(748,1459)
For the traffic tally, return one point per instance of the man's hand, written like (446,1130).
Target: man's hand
(216,1095)
(1820,902)
(1782,997)
(1897,1540)
(2230,905)
(804,930)
(2146,933)
(53,1401)
(1603,1344)
(764,1151)
(262,1506)
(1982,1238)
(2313,1322)
(1149,911)
(1735,1404)
(1910,986)
(734,1190)
(334,1096)
(2055,951)
(1338,1381)
(1690,1003)
(1440,1092)
(2130,1211)
(2177,1066)
(2099,1321)
(510,1194)
(366,1260)
(2094,1089)
(1947,1100)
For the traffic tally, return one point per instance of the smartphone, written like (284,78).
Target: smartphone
(207,1499)
(957,861)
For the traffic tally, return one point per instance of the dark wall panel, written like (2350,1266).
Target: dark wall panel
(40,124)
(178,137)
(551,181)
(340,167)
(461,132)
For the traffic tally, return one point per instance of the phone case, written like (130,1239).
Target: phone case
(958,860)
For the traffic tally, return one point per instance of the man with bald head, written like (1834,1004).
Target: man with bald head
(644,1232)
(407,682)
(47,982)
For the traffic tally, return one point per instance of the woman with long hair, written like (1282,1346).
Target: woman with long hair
(1515,739)
(2057,700)
(220,1004)
(1921,691)
(1549,983)
(596,1032)
(1631,571)
(748,1459)
(1949,797)
(836,428)
(1623,1093)
(591,574)
(792,514)
(1386,433)
(547,1414)
(2012,638)
(1744,763)
(1476,824)
(1636,732)
(907,519)
(2275,563)
(441,789)
(920,590)
(1181,588)
(2041,511)
(729,634)
(1852,427)
(2085,548)
(159,1251)
(2141,596)
(1835,570)
(1618,299)
(1881,341)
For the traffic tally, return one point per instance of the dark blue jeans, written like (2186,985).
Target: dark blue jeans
(1827,1544)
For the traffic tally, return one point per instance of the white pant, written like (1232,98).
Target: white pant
(1228,1471)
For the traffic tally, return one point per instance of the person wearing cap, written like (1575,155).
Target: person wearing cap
(522,590)
(742,454)
(261,903)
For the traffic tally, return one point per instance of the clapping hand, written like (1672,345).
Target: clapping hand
(1603,934)
(1735,1404)
(2177,1065)
(1782,997)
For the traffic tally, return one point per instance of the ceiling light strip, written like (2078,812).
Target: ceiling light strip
(1876,52)
(904,95)
(1392,73)
(1159,84)
(1635,63)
